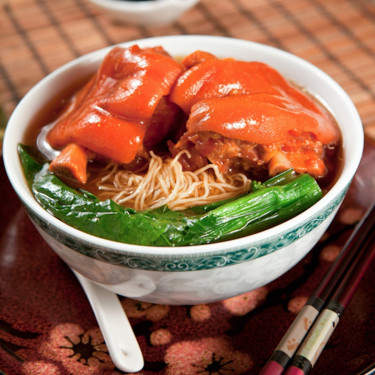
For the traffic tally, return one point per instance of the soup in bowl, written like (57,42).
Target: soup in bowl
(241,126)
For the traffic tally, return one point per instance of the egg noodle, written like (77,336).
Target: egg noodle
(166,183)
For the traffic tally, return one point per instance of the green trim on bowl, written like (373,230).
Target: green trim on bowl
(189,262)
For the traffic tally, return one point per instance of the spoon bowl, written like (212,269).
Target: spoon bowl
(118,334)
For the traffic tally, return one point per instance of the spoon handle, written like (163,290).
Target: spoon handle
(118,334)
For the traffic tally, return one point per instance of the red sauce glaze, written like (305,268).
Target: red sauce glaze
(252,102)
(111,113)
(240,115)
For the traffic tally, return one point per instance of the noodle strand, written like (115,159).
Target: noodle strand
(166,183)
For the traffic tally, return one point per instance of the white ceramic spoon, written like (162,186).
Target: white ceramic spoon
(118,334)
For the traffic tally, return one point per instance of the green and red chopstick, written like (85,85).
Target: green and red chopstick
(302,344)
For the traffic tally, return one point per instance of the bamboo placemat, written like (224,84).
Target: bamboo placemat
(338,36)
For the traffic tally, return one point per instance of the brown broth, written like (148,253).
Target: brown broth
(52,110)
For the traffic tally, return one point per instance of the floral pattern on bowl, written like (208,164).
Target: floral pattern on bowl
(200,261)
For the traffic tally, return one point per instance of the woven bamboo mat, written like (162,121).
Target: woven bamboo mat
(338,36)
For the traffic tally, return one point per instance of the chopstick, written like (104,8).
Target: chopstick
(370,370)
(326,304)
(327,321)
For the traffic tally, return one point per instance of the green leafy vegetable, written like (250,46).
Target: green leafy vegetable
(269,203)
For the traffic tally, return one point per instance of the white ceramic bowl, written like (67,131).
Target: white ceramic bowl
(147,13)
(195,274)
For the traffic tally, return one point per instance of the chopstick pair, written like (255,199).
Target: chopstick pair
(302,344)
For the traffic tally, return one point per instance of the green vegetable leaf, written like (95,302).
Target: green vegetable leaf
(272,202)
